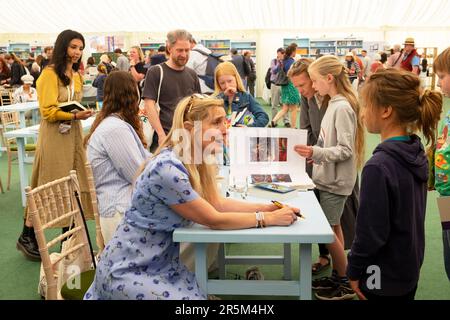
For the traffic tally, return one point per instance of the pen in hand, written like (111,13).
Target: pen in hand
(280,205)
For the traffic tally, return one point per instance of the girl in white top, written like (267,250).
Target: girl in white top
(336,157)
(25,92)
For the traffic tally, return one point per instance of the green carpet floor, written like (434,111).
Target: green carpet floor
(19,277)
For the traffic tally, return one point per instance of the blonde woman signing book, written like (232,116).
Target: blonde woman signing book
(60,142)
(141,261)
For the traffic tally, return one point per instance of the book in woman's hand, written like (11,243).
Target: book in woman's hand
(71,106)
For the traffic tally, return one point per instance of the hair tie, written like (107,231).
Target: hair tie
(422,96)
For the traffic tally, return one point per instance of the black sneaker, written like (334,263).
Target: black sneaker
(287,125)
(272,124)
(324,283)
(339,292)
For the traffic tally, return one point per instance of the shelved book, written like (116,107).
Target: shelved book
(71,106)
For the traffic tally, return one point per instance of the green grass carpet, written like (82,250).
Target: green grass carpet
(19,277)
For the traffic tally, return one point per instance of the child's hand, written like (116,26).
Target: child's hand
(355,286)
(230,91)
(303,150)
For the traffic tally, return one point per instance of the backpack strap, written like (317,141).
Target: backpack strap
(161,77)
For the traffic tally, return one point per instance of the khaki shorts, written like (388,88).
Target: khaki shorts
(333,206)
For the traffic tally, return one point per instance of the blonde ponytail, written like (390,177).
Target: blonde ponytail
(331,65)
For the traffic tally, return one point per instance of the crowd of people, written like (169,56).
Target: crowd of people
(146,189)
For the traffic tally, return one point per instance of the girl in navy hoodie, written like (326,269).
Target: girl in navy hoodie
(387,253)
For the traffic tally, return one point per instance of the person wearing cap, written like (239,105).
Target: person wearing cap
(25,92)
(410,60)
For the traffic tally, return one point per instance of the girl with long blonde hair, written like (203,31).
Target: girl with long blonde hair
(229,87)
(336,156)
(173,190)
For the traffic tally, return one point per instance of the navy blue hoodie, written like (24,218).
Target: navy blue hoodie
(390,221)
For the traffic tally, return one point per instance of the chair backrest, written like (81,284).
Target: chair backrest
(55,204)
(6,98)
(98,231)
(9,121)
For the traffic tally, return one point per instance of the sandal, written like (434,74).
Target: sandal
(318,267)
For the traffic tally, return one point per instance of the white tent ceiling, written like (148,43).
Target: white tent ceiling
(52,16)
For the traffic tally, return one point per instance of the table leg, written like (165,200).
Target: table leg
(305,271)
(23,124)
(200,266)
(221,260)
(22,172)
(287,261)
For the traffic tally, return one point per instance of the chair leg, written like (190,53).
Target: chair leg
(1,186)
(9,172)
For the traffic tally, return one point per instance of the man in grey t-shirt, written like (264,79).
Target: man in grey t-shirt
(178,82)
(122,63)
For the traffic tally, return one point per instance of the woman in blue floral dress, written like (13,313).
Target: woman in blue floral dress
(141,261)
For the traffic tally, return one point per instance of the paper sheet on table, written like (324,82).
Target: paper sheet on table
(267,155)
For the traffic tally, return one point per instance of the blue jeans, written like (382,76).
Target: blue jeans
(446,245)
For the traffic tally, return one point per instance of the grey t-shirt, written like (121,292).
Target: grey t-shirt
(175,86)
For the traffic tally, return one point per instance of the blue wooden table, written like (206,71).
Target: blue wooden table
(305,232)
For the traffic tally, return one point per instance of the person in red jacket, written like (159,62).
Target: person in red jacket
(411,59)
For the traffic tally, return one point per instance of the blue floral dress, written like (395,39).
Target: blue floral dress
(141,261)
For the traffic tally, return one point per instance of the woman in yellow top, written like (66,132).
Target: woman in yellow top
(60,143)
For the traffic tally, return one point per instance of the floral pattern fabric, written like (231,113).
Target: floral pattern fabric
(141,261)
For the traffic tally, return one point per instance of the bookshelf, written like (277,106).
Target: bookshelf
(218,46)
(430,53)
(242,46)
(148,46)
(311,47)
(346,45)
(325,47)
(303,45)
(21,50)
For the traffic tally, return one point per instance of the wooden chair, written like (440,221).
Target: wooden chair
(6,98)
(98,232)
(10,121)
(53,204)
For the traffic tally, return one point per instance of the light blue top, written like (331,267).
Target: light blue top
(141,261)
(115,153)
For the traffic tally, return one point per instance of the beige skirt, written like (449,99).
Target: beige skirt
(57,154)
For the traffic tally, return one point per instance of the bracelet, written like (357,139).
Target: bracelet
(260,223)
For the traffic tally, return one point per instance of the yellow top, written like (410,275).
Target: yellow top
(51,91)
